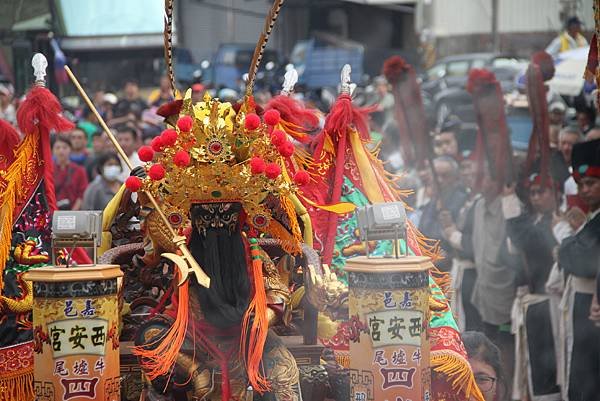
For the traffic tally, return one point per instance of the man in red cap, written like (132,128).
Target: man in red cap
(197,92)
(579,258)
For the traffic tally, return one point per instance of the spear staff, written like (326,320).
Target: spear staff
(186,262)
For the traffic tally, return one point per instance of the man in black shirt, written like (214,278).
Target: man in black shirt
(451,197)
(579,257)
(131,103)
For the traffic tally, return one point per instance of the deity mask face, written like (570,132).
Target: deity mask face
(218,246)
(221,215)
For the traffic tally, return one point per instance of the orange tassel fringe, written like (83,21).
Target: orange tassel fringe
(257,334)
(11,186)
(17,387)
(458,371)
(160,360)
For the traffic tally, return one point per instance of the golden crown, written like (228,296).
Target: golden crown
(215,154)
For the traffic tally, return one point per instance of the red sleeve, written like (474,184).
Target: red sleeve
(81,181)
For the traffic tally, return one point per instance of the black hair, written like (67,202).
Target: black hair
(378,117)
(97,133)
(222,254)
(103,158)
(150,132)
(77,128)
(63,139)
(128,128)
(481,348)
(572,21)
(451,124)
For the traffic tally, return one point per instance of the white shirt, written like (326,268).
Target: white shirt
(135,162)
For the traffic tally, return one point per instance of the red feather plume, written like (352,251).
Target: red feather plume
(539,142)
(396,69)
(408,110)
(41,111)
(545,63)
(479,78)
(170,109)
(293,112)
(493,130)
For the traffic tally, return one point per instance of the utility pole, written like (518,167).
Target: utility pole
(495,35)
(231,21)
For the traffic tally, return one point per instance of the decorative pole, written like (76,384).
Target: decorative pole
(75,324)
(185,262)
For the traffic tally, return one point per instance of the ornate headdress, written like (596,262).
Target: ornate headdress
(215,154)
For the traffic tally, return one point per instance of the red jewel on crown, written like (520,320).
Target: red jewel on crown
(175,219)
(259,221)
(215,147)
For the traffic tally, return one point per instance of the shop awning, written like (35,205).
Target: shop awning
(39,23)
(110,24)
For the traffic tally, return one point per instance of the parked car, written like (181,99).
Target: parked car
(444,84)
(518,120)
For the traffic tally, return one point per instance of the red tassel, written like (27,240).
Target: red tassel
(338,121)
(41,111)
(343,114)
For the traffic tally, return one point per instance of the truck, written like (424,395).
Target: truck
(320,59)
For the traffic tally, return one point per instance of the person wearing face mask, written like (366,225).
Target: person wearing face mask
(102,190)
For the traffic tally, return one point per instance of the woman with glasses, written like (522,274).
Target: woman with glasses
(486,364)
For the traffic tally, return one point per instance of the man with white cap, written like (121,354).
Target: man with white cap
(557,110)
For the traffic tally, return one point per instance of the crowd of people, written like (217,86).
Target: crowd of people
(523,259)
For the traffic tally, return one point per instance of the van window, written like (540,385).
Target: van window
(457,68)
(478,63)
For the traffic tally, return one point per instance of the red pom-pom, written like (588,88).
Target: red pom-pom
(272,170)
(480,78)
(301,177)
(146,153)
(278,137)
(182,158)
(169,137)
(252,121)
(395,68)
(272,117)
(133,183)
(286,149)
(257,165)
(157,144)
(185,123)
(156,172)
(546,64)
